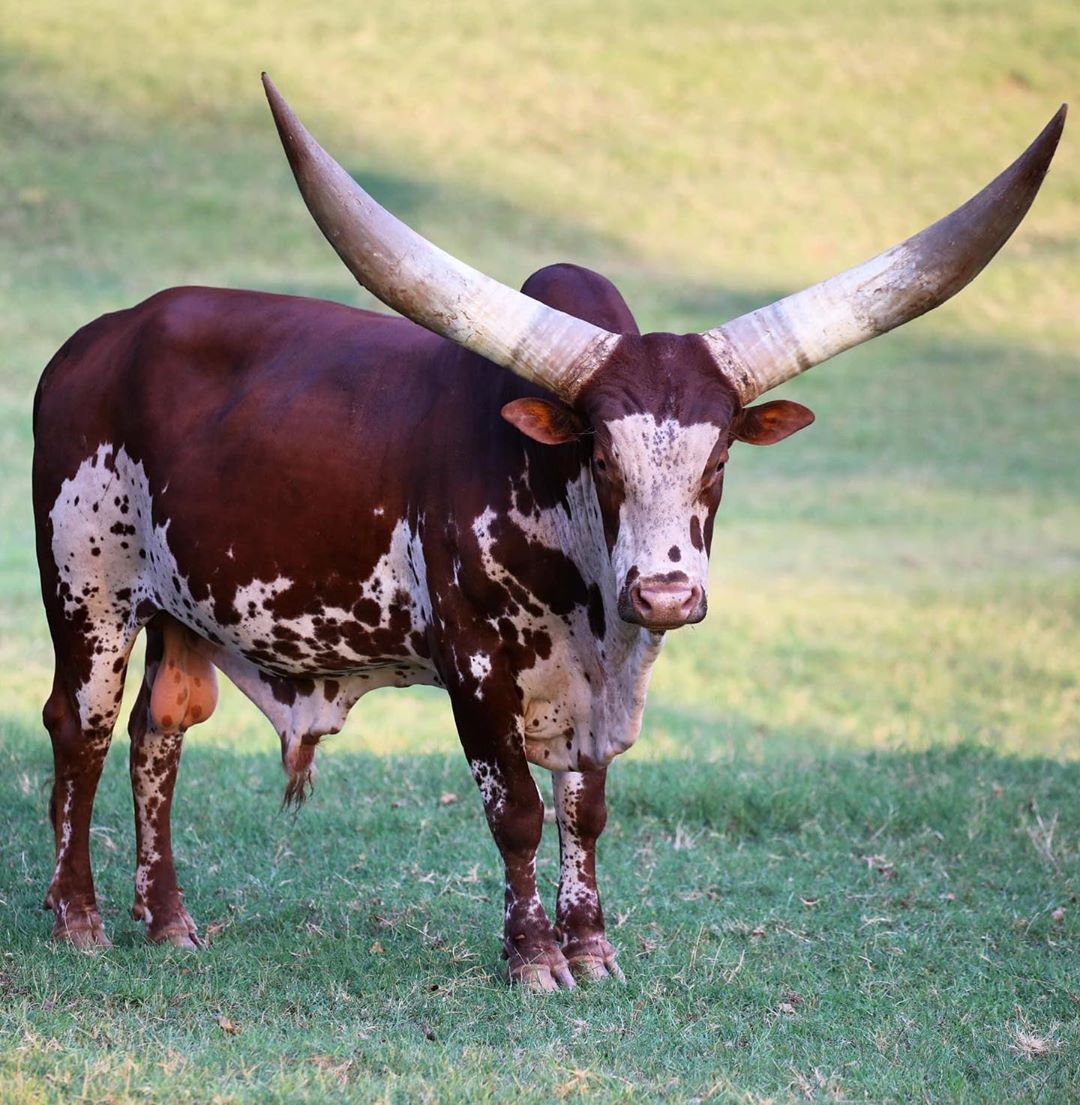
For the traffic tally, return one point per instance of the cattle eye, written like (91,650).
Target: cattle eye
(601,464)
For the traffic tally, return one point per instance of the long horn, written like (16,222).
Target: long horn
(762,349)
(427,285)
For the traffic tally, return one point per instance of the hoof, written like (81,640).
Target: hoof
(592,958)
(540,978)
(177,939)
(85,932)
(178,931)
(593,968)
(547,972)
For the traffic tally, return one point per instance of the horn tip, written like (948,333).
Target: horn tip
(272,93)
(1044,147)
(289,128)
(1057,124)
(1052,131)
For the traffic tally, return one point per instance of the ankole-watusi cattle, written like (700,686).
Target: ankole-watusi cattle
(506,494)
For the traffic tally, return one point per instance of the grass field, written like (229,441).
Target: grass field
(843,860)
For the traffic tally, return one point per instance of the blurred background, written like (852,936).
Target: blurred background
(904,573)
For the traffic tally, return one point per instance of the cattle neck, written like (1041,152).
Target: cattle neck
(591,688)
(622,515)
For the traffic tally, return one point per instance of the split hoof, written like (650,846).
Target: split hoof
(547,972)
(178,938)
(178,931)
(593,968)
(85,932)
(540,978)
(592,958)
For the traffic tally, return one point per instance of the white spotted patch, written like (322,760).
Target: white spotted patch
(65,826)
(313,715)
(573,889)
(100,522)
(587,696)
(96,746)
(401,570)
(490,781)
(148,793)
(111,557)
(480,666)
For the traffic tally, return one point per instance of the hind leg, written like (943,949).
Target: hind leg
(80,723)
(78,758)
(96,599)
(179,689)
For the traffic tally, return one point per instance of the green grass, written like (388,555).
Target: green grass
(877,926)
(881,715)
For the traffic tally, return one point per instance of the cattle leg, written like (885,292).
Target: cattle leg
(179,689)
(78,758)
(581,814)
(515,815)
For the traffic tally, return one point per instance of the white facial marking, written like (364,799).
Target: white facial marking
(662,466)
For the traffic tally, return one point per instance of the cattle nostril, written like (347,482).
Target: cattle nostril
(664,603)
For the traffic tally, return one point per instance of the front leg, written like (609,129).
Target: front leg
(492,740)
(582,814)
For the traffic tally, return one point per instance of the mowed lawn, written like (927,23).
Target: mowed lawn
(843,861)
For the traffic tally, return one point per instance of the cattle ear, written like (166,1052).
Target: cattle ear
(543,420)
(770,422)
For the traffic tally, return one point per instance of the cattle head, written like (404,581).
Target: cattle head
(655,415)
(655,426)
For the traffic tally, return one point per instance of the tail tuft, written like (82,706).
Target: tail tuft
(299,761)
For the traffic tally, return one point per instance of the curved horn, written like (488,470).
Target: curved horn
(427,285)
(762,349)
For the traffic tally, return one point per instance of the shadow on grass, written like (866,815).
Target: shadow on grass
(917,894)
(374,819)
